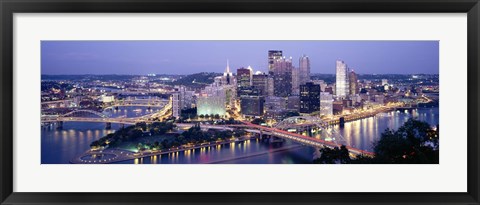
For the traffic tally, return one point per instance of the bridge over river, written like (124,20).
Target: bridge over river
(94,116)
(295,137)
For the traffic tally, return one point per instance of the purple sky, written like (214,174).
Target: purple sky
(184,57)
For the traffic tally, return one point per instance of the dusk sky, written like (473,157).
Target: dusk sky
(185,57)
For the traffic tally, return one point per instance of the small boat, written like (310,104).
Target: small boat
(137,110)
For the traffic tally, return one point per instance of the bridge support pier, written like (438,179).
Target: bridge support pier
(108,125)
(59,125)
(342,121)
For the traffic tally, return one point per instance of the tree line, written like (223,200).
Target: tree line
(415,142)
(193,136)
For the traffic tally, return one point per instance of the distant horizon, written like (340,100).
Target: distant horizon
(188,57)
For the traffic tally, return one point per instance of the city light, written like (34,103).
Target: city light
(289,101)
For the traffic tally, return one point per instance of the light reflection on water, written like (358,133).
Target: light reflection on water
(362,133)
(59,146)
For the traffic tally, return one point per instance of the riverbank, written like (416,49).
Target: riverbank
(362,115)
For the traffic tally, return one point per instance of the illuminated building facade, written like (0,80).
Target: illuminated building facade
(353,81)
(304,70)
(282,77)
(260,83)
(326,104)
(309,98)
(182,99)
(342,80)
(295,81)
(211,101)
(273,55)
(244,80)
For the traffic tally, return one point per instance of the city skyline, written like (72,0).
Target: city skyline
(168,57)
(245,117)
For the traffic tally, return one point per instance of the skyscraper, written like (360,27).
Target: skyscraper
(182,99)
(260,83)
(342,81)
(282,77)
(270,84)
(304,70)
(244,80)
(176,105)
(352,78)
(252,105)
(296,82)
(273,55)
(243,77)
(309,98)
(326,104)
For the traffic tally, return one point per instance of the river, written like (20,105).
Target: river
(59,146)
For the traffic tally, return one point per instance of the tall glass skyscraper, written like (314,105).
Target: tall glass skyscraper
(244,80)
(304,70)
(342,80)
(260,83)
(282,77)
(273,55)
(353,82)
(309,98)
(295,81)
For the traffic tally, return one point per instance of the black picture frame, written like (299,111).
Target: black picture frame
(10,7)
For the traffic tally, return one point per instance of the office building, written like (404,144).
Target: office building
(326,104)
(295,81)
(342,80)
(176,105)
(260,83)
(353,81)
(282,77)
(293,103)
(273,55)
(275,107)
(304,70)
(270,86)
(244,80)
(309,98)
(252,106)
(182,99)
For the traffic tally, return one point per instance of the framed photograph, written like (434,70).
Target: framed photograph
(187,102)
